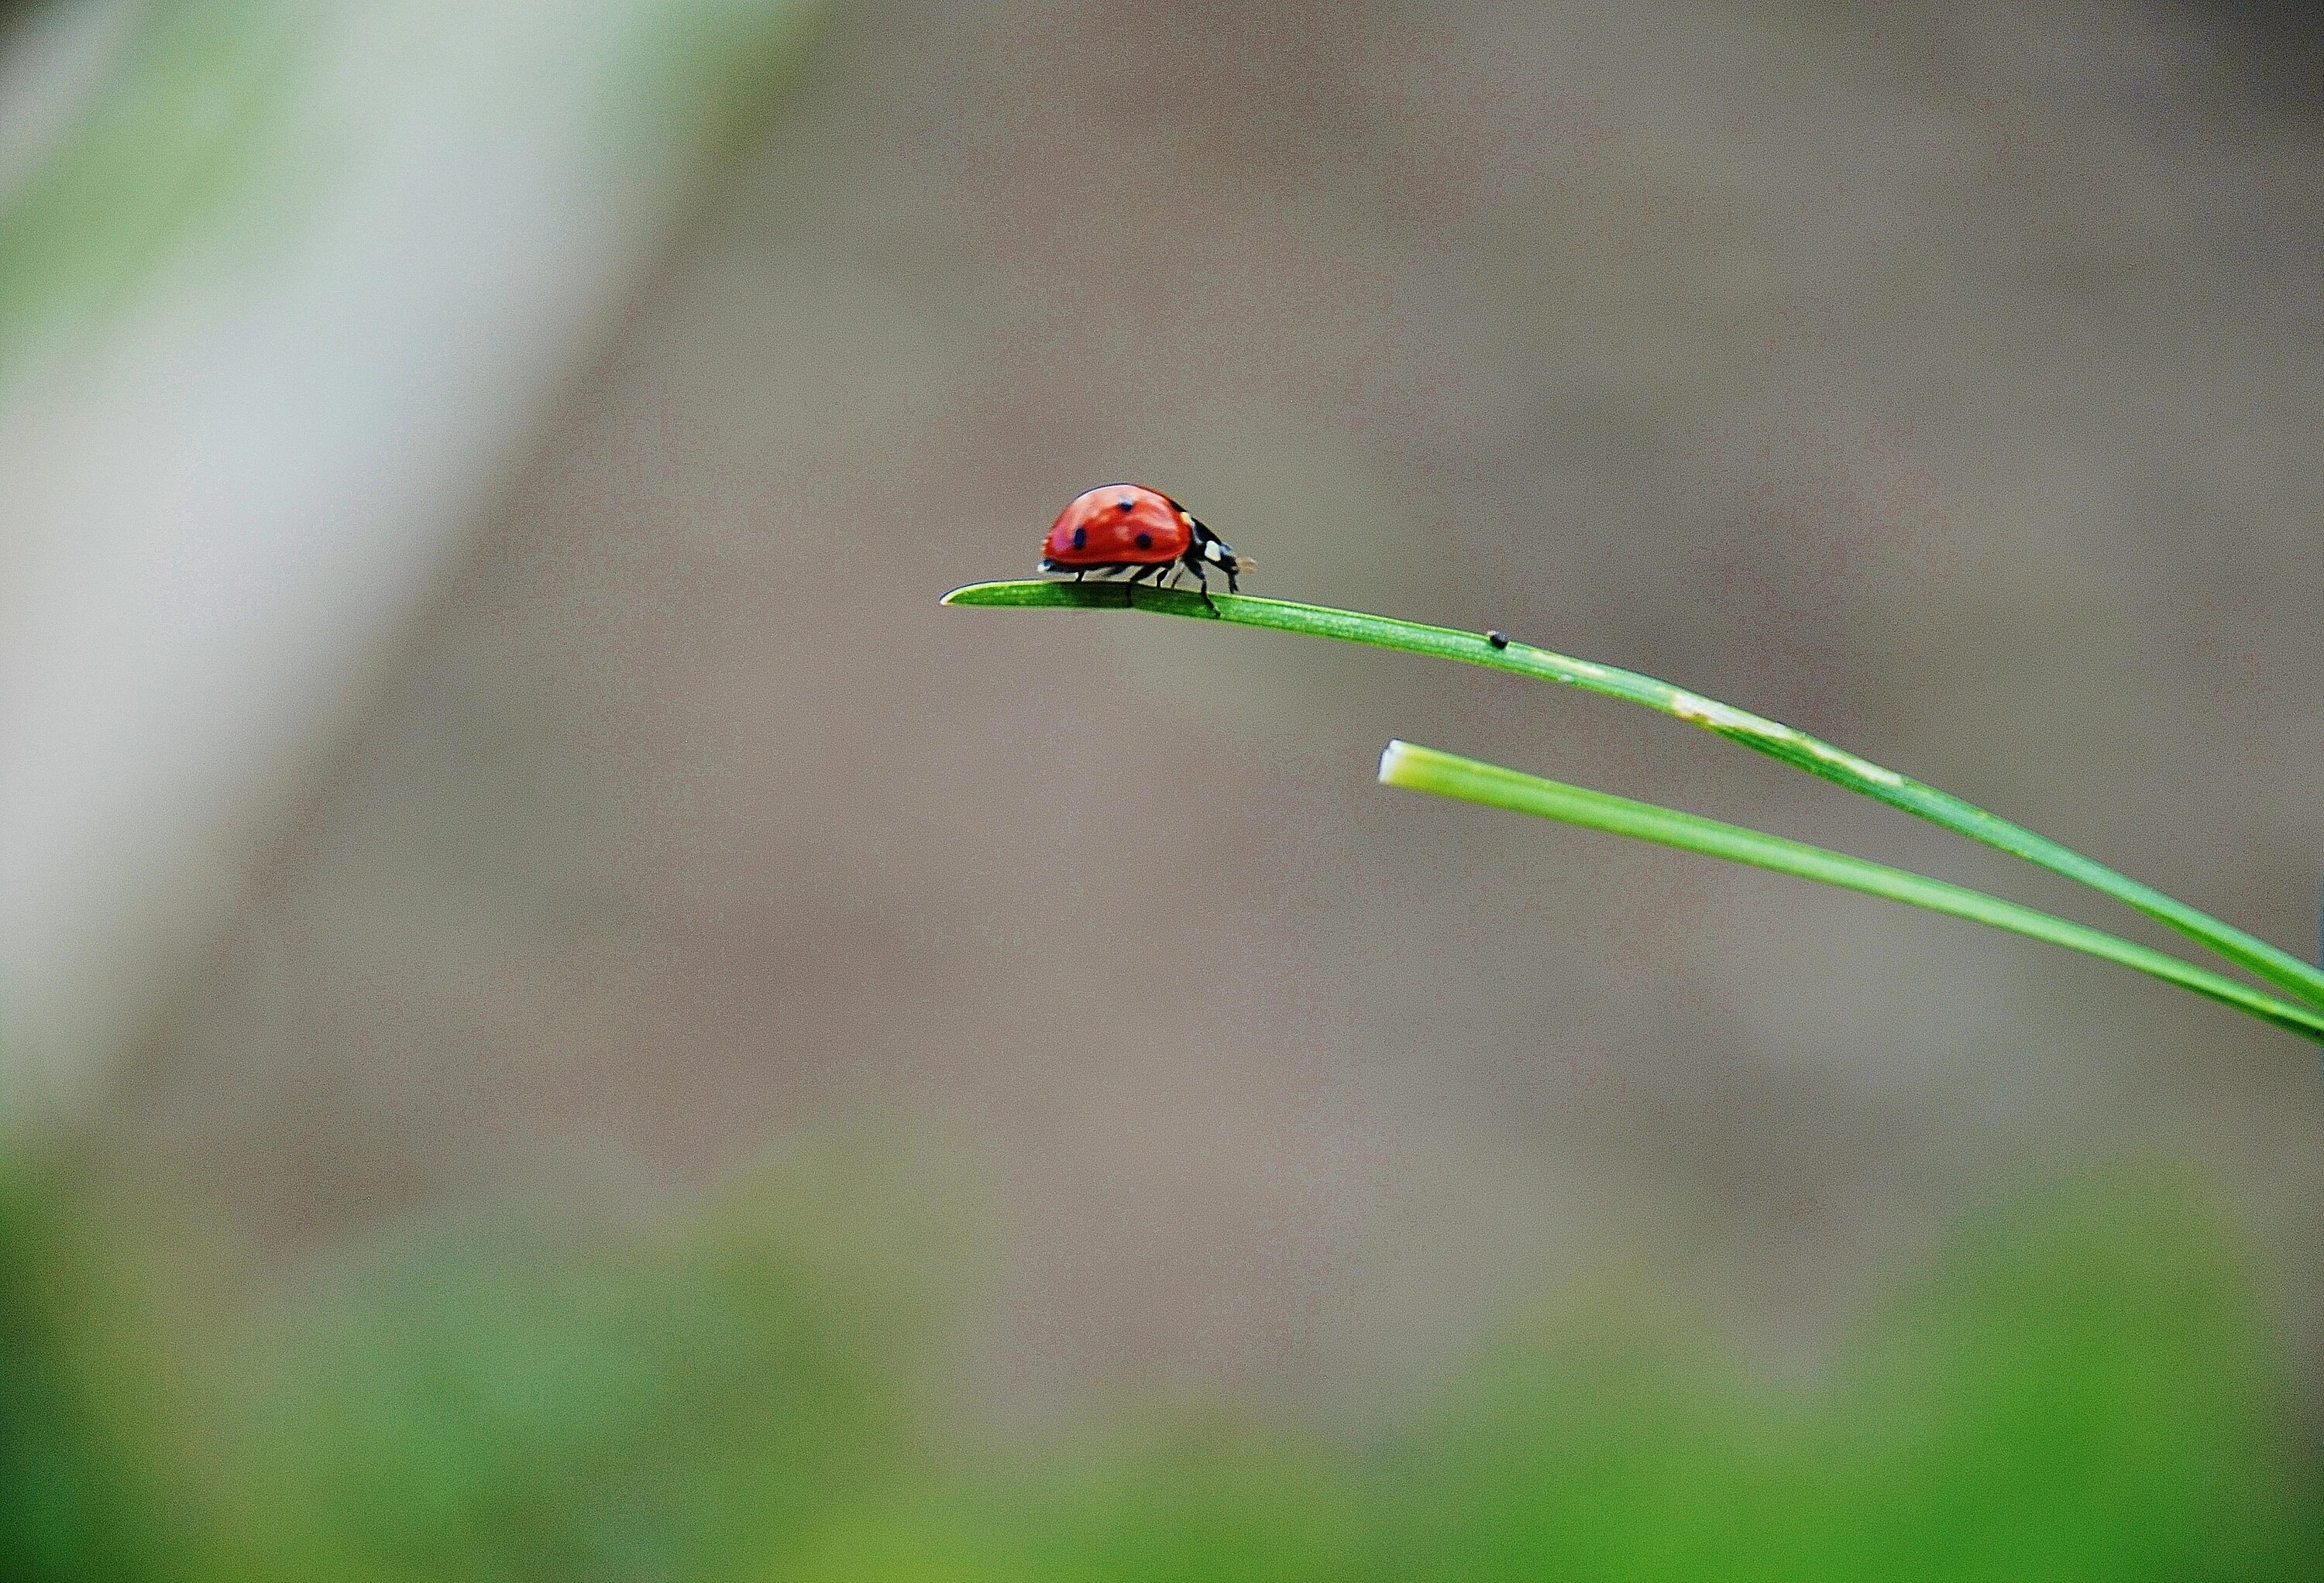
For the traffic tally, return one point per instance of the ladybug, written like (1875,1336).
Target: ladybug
(1125,528)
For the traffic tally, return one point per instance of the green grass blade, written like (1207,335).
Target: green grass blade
(1447,775)
(1796,748)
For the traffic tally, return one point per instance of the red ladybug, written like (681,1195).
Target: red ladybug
(1125,527)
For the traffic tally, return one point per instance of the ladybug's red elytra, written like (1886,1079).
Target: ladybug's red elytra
(1128,527)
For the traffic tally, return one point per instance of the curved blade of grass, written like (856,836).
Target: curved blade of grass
(1796,748)
(1448,775)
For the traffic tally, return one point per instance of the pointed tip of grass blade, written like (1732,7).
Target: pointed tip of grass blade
(1054,593)
(973,593)
(1026,594)
(1040,593)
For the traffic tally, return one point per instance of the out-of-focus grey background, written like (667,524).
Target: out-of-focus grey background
(1945,381)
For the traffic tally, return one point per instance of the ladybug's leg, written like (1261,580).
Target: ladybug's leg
(1205,582)
(1185,563)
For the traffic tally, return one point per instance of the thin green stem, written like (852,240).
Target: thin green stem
(1447,775)
(2277,967)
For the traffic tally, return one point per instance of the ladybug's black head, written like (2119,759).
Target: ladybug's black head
(1209,550)
(1220,554)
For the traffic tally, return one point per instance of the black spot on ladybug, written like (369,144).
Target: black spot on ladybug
(1146,541)
(1081,537)
(1498,640)
(1125,505)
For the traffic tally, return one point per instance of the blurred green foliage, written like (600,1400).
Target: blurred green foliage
(2082,1387)
(2081,1390)
(71,1500)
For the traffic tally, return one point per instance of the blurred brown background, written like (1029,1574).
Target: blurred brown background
(1944,381)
